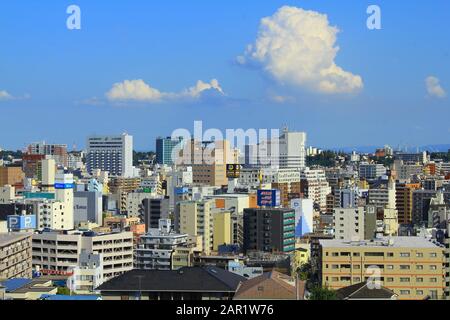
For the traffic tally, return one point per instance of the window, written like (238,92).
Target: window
(390,267)
(405,280)
(357,267)
(419,267)
(405,292)
(419,292)
(390,279)
(356,254)
(433,280)
(405,255)
(390,254)
(419,279)
(433,267)
(433,255)
(405,267)
(419,255)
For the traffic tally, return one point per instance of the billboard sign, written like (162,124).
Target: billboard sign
(233,171)
(18,223)
(269,198)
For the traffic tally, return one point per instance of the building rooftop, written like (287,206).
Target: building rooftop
(393,242)
(7,238)
(361,291)
(193,279)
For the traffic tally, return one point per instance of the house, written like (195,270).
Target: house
(187,283)
(271,286)
(28,289)
(363,291)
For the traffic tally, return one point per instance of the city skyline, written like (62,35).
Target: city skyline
(191,61)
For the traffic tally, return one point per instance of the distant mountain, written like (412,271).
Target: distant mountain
(371,149)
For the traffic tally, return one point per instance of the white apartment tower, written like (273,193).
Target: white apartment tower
(113,154)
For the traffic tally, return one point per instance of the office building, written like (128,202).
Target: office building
(113,154)
(371,171)
(154,209)
(164,149)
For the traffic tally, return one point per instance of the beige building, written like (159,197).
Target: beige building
(412,267)
(11,176)
(60,252)
(196,219)
(15,255)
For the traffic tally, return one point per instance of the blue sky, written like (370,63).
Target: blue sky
(53,74)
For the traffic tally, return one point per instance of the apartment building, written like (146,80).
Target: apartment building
(269,230)
(60,251)
(404,201)
(348,223)
(412,267)
(155,249)
(195,218)
(371,170)
(314,186)
(15,255)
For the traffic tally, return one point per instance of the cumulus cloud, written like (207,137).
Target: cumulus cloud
(298,47)
(434,88)
(138,90)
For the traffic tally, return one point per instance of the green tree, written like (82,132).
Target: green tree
(322,293)
(63,291)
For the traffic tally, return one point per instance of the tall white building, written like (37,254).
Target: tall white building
(292,149)
(113,154)
(314,186)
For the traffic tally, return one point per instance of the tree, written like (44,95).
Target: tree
(63,291)
(322,293)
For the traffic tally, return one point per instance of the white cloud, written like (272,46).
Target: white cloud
(4,95)
(138,90)
(297,47)
(434,88)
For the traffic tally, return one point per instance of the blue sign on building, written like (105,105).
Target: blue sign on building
(64,185)
(269,198)
(181,190)
(17,223)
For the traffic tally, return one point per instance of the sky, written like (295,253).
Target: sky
(149,67)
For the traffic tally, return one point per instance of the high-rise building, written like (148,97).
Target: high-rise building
(196,219)
(110,153)
(314,186)
(404,201)
(154,209)
(269,230)
(164,149)
(292,149)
